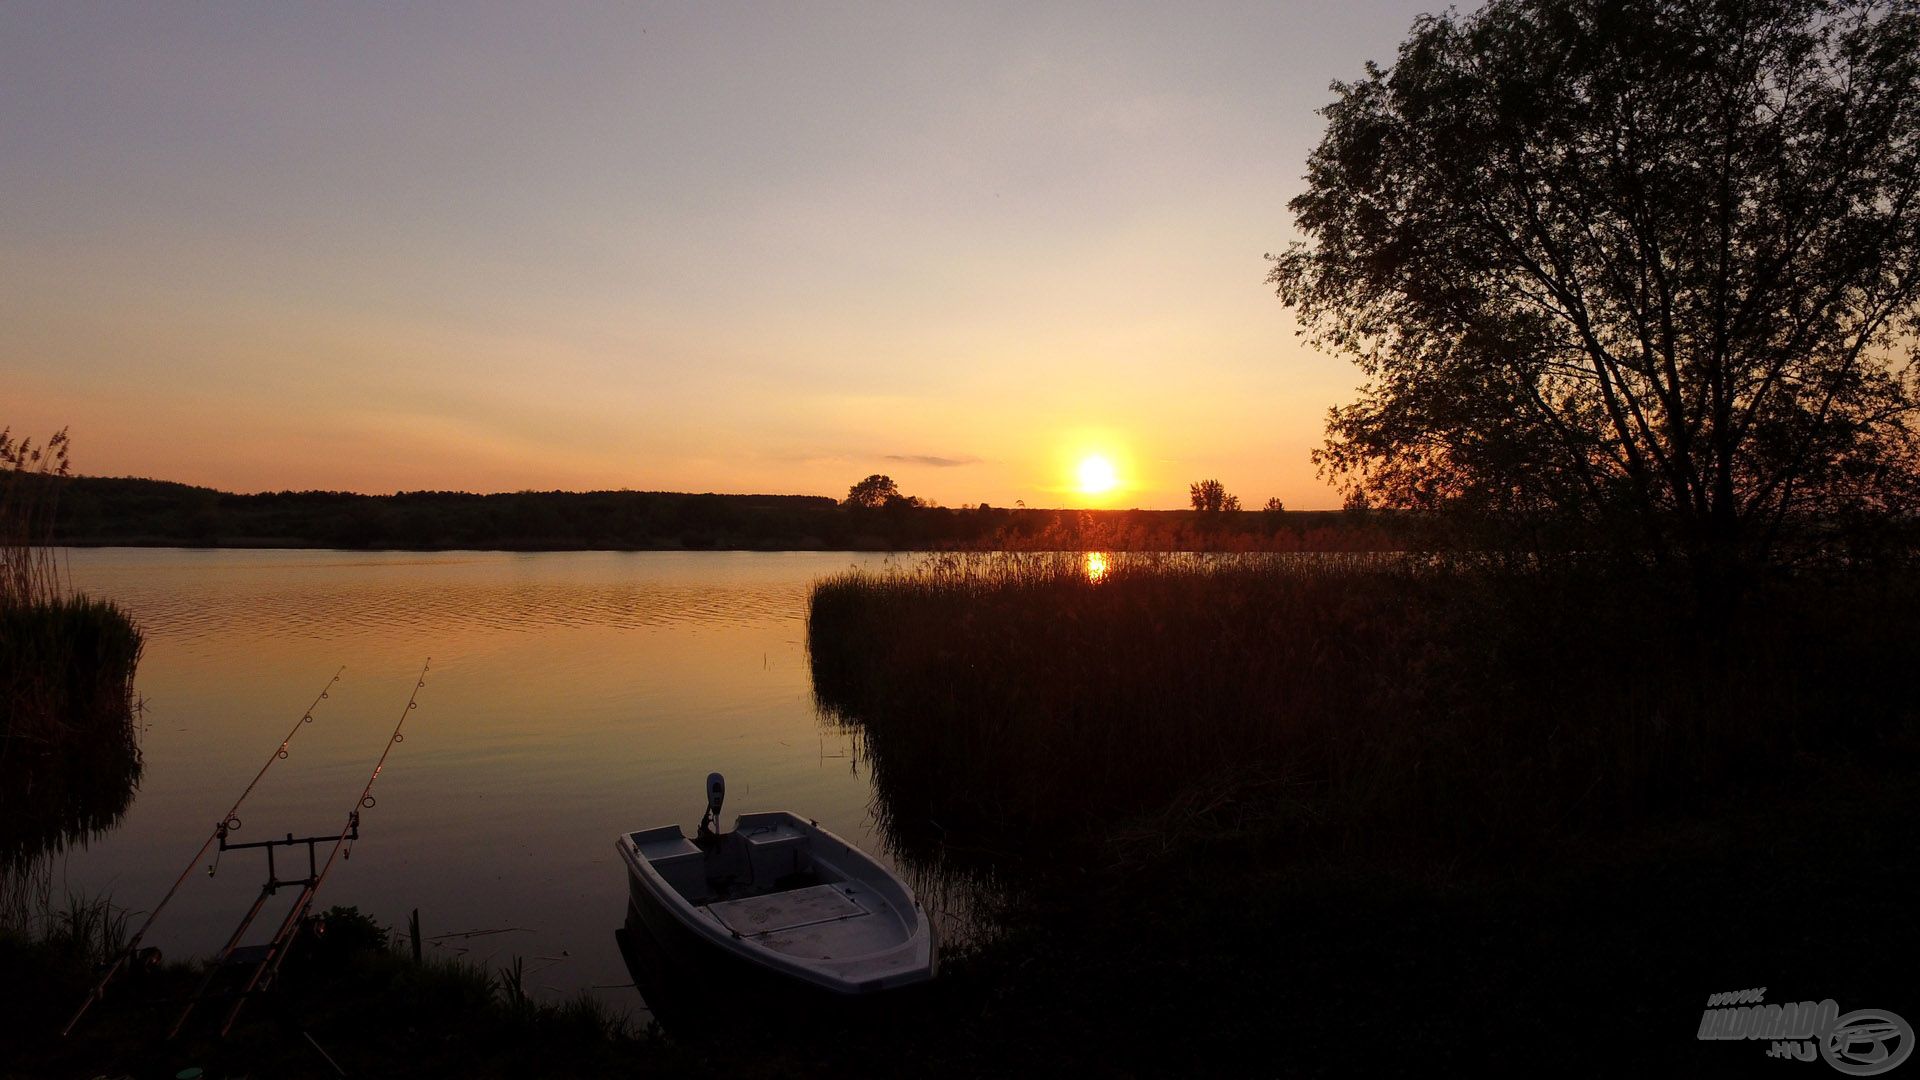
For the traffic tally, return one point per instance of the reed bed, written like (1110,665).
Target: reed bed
(69,746)
(70,758)
(1356,703)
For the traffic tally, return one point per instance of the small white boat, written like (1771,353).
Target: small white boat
(784,895)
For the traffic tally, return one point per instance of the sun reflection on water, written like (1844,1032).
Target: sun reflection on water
(1096,565)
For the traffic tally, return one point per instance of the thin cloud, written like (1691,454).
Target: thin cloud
(934,460)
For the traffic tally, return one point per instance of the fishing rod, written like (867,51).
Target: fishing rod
(229,823)
(269,967)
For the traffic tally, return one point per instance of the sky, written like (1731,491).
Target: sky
(686,247)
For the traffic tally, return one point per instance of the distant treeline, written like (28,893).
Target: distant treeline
(95,511)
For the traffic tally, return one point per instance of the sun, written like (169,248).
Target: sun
(1097,475)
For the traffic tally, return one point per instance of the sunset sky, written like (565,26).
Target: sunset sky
(706,247)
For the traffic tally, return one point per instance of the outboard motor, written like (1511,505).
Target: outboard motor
(716,794)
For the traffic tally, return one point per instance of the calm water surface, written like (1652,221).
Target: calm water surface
(572,696)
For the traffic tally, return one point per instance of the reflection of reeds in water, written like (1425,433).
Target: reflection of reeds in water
(1010,705)
(69,752)
(961,889)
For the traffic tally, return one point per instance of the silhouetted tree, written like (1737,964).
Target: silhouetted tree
(1644,260)
(1273,514)
(1211,496)
(875,491)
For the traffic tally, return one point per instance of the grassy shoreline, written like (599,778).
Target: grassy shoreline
(1482,815)
(69,748)
(370,1007)
(1344,705)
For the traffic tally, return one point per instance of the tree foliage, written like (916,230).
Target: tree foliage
(875,491)
(1211,496)
(1643,261)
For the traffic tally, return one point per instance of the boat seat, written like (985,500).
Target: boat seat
(776,854)
(683,865)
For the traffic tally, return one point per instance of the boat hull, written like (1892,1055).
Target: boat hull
(843,928)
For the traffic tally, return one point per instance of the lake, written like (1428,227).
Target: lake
(572,696)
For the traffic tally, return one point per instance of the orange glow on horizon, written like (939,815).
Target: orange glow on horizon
(513,275)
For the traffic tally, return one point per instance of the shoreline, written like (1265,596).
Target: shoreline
(97,512)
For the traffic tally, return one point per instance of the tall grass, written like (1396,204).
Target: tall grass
(357,951)
(69,751)
(67,665)
(1359,703)
(1044,532)
(29,493)
(373,1009)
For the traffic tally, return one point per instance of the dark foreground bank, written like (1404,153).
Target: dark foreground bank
(1210,965)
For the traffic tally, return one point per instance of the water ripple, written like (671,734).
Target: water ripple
(310,596)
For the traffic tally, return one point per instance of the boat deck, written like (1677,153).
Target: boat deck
(820,922)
